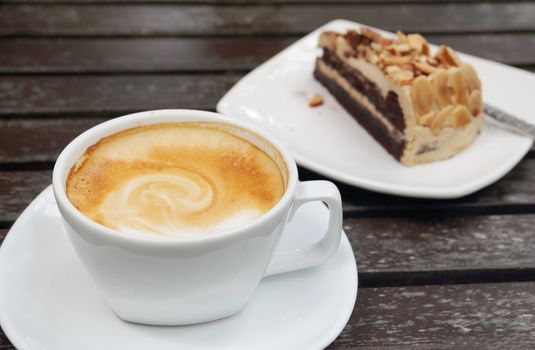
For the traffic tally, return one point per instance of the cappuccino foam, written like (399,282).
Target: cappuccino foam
(175,179)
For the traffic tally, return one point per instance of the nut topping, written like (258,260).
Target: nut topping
(424,67)
(370,34)
(442,119)
(315,101)
(446,54)
(404,77)
(401,37)
(470,76)
(439,80)
(417,42)
(400,49)
(456,84)
(461,116)
(392,69)
(422,95)
(475,103)
(427,119)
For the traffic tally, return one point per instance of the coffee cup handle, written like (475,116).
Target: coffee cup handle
(319,252)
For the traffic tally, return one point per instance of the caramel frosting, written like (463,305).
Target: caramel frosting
(175,179)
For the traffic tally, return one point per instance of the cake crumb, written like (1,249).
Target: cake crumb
(315,101)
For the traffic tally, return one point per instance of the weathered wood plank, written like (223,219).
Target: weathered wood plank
(38,140)
(206,54)
(107,95)
(515,188)
(226,2)
(512,194)
(466,316)
(3,233)
(428,243)
(41,140)
(411,244)
(18,189)
(477,316)
(137,55)
(163,20)
(442,243)
(5,344)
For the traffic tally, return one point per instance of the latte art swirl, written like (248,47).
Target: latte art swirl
(158,202)
(175,179)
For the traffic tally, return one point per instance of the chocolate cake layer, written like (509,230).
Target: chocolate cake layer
(389,106)
(372,124)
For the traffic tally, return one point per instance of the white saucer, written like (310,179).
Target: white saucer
(327,139)
(48,302)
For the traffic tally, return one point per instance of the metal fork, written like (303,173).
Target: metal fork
(509,121)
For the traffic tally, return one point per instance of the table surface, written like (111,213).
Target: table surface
(442,274)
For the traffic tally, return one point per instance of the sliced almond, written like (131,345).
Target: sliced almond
(417,42)
(470,77)
(452,57)
(442,119)
(404,77)
(422,95)
(371,56)
(447,55)
(327,40)
(401,49)
(432,61)
(425,50)
(475,103)
(460,116)
(377,47)
(395,60)
(457,86)
(424,67)
(439,80)
(401,37)
(370,34)
(315,101)
(386,41)
(427,119)
(392,69)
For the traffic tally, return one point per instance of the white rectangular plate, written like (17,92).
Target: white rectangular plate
(328,140)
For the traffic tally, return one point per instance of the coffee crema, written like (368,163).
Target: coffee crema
(176,179)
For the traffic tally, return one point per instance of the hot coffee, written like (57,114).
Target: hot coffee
(177,179)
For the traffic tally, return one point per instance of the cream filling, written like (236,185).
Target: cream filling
(448,142)
(359,98)
(385,84)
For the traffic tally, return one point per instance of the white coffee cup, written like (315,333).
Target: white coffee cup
(177,281)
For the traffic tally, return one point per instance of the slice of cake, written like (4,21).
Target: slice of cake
(420,107)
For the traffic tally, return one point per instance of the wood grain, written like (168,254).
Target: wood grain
(26,140)
(3,233)
(106,96)
(401,250)
(171,20)
(226,2)
(136,55)
(430,243)
(516,189)
(206,54)
(18,189)
(38,140)
(5,344)
(471,316)
(477,316)
(514,193)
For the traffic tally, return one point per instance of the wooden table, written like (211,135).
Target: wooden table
(433,274)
